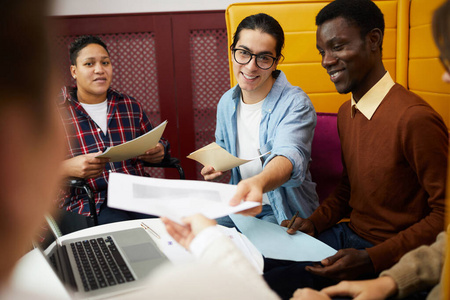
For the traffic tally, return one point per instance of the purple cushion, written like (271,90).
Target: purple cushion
(326,165)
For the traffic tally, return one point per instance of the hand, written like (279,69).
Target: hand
(344,265)
(309,294)
(84,166)
(379,288)
(303,225)
(184,234)
(249,189)
(210,174)
(154,155)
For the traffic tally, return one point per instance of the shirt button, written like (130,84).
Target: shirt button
(98,129)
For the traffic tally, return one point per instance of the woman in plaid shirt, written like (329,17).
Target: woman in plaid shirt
(96,117)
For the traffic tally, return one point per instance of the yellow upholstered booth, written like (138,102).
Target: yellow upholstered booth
(425,69)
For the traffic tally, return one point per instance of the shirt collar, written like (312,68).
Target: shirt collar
(369,103)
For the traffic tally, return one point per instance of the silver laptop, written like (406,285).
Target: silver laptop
(102,265)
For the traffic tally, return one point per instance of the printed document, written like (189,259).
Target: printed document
(219,158)
(273,241)
(135,147)
(172,198)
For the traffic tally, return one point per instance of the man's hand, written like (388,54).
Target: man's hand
(249,189)
(84,166)
(379,288)
(184,234)
(303,225)
(154,155)
(344,265)
(309,294)
(209,174)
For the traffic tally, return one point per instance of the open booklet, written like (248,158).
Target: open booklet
(219,158)
(172,198)
(135,147)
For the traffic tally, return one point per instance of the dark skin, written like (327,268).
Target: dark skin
(354,65)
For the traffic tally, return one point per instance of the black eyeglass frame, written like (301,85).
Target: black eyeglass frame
(274,59)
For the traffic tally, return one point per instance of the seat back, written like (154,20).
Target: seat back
(326,165)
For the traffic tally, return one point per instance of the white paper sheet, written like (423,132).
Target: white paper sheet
(135,147)
(172,198)
(273,241)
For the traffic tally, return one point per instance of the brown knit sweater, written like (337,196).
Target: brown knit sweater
(394,177)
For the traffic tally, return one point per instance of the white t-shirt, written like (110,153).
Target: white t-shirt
(98,113)
(248,122)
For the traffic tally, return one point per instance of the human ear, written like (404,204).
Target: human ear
(375,38)
(73,71)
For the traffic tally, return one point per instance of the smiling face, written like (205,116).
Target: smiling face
(353,63)
(93,73)
(254,82)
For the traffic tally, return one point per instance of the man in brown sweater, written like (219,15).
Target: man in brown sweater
(394,153)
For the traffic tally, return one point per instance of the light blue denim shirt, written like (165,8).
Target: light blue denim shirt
(287,127)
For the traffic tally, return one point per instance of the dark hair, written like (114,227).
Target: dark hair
(363,13)
(266,24)
(441,29)
(24,77)
(82,42)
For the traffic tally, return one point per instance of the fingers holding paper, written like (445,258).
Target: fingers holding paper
(346,264)
(153,155)
(84,166)
(249,189)
(210,174)
(193,225)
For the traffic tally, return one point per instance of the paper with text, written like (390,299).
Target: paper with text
(135,147)
(219,158)
(273,241)
(172,198)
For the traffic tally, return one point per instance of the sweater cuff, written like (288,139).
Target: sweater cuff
(406,281)
(204,239)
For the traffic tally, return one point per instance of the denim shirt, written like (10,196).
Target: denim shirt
(287,127)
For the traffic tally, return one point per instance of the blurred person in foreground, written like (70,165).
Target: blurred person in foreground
(30,131)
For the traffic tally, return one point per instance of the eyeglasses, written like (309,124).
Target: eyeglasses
(446,63)
(263,61)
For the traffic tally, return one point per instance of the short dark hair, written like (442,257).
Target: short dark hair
(266,24)
(441,29)
(363,13)
(81,42)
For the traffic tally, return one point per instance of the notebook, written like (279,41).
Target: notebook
(102,265)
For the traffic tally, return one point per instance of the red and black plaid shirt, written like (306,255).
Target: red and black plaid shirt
(126,121)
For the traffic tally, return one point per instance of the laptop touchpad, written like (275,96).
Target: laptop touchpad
(141,252)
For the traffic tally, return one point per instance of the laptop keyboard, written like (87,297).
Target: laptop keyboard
(100,264)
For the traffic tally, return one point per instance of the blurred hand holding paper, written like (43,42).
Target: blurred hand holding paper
(172,198)
(219,158)
(273,241)
(135,147)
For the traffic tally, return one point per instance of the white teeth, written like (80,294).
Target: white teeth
(335,74)
(248,77)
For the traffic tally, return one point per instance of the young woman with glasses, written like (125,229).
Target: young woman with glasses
(263,113)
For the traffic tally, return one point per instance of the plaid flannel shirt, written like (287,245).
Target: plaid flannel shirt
(126,120)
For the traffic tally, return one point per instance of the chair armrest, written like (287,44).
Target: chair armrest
(171,162)
(80,183)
